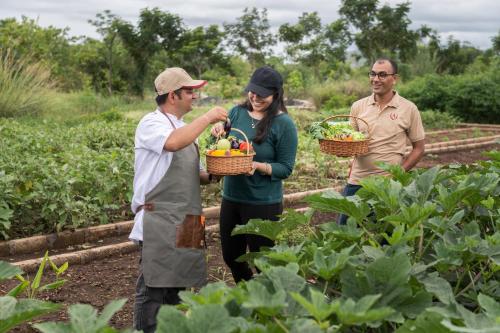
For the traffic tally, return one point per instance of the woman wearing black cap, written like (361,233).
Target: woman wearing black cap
(265,120)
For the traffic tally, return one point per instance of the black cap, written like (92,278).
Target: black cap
(265,81)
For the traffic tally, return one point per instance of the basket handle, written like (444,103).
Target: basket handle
(349,116)
(244,135)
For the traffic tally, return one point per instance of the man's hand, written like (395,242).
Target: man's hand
(415,155)
(216,114)
(206,178)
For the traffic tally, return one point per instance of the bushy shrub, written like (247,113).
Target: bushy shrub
(472,97)
(23,86)
(339,101)
(294,84)
(111,115)
(428,92)
(338,94)
(435,119)
(476,98)
(225,87)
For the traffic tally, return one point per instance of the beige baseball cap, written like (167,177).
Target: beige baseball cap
(175,78)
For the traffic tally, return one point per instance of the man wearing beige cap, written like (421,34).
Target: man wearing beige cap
(169,226)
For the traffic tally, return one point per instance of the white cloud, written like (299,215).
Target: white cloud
(474,21)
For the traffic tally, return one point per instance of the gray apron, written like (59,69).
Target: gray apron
(174,231)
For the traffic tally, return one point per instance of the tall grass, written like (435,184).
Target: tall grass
(78,106)
(23,86)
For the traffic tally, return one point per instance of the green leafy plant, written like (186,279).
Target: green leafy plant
(32,288)
(14,312)
(83,318)
(17,311)
(335,131)
(434,120)
(420,253)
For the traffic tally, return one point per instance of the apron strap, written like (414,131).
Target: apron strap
(171,122)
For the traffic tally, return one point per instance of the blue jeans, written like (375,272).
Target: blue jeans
(349,190)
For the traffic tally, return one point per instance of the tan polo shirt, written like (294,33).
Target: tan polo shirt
(389,130)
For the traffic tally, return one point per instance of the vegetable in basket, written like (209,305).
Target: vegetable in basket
(342,131)
(231,146)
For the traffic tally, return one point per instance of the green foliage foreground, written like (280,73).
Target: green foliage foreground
(420,253)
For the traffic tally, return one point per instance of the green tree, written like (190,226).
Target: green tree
(92,62)
(250,36)
(106,26)
(382,30)
(50,46)
(339,39)
(156,30)
(200,50)
(304,40)
(309,42)
(454,57)
(496,43)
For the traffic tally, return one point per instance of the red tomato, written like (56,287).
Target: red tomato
(244,145)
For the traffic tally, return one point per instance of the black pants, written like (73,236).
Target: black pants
(232,214)
(148,301)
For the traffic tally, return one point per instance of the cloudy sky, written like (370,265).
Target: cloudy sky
(475,21)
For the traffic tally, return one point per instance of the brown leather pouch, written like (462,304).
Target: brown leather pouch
(191,233)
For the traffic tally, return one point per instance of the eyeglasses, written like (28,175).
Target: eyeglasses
(381,75)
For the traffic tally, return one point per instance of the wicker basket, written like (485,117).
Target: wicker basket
(230,165)
(342,148)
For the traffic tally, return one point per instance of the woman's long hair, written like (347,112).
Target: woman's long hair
(264,125)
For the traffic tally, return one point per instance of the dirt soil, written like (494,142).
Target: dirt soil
(461,156)
(99,282)
(459,134)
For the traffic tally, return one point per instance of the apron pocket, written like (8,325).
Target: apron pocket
(191,233)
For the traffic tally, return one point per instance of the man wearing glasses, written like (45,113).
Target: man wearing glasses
(393,121)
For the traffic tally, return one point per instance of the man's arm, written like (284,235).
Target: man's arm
(415,155)
(186,135)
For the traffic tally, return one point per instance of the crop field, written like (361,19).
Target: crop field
(59,176)
(420,252)
(439,227)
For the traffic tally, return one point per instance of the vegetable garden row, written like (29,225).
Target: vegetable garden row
(426,260)
(55,177)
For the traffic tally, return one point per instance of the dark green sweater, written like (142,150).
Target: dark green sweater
(278,149)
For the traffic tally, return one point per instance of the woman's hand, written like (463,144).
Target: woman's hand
(263,168)
(252,170)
